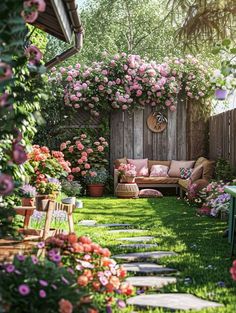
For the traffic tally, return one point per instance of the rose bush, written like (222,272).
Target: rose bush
(44,165)
(127,82)
(99,276)
(86,155)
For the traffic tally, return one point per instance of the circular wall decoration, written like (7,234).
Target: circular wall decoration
(157,122)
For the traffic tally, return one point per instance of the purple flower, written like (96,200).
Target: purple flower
(121,304)
(6,184)
(33,54)
(108,309)
(24,289)
(65,281)
(42,293)
(20,257)
(70,270)
(10,268)
(41,245)
(43,283)
(28,191)
(56,258)
(34,259)
(18,154)
(54,286)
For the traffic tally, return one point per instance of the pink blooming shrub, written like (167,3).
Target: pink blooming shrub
(31,10)
(33,54)
(128,170)
(127,81)
(86,155)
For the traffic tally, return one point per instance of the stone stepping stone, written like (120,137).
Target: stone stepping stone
(172,301)
(137,239)
(139,245)
(126,231)
(151,281)
(144,255)
(147,268)
(87,223)
(113,225)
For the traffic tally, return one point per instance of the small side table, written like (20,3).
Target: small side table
(127,190)
(231,237)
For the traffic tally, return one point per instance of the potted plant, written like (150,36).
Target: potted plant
(222,84)
(47,190)
(127,173)
(28,194)
(95,182)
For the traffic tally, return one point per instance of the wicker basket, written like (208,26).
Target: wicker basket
(127,190)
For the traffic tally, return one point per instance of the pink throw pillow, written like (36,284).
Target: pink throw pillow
(176,165)
(159,171)
(150,193)
(141,166)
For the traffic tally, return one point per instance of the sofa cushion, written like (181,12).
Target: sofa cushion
(159,171)
(156,180)
(199,161)
(175,166)
(185,173)
(118,162)
(184,183)
(197,173)
(153,162)
(208,169)
(141,166)
(150,193)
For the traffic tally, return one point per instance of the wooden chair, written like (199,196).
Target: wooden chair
(52,205)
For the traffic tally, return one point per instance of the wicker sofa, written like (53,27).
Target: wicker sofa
(181,185)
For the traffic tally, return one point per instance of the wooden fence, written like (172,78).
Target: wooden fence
(222,136)
(183,138)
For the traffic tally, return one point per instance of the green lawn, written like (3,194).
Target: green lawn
(203,254)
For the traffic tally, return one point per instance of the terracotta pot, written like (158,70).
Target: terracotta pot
(127,179)
(96,190)
(28,201)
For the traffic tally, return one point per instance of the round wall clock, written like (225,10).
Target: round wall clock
(157,122)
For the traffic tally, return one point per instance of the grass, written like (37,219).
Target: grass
(203,254)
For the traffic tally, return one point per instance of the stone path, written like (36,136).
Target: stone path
(171,301)
(147,268)
(139,245)
(113,225)
(144,255)
(87,223)
(151,281)
(137,239)
(115,231)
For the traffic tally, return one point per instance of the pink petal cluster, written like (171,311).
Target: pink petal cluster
(31,10)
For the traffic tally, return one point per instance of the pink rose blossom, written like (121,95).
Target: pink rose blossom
(80,147)
(84,158)
(97,143)
(33,54)
(89,150)
(80,161)
(84,154)
(87,166)
(70,177)
(173,108)
(83,173)
(71,149)
(100,148)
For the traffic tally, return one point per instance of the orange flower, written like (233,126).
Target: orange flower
(85,239)
(82,280)
(109,287)
(87,247)
(126,289)
(90,310)
(88,273)
(65,306)
(115,282)
(106,261)
(96,285)
(72,238)
(122,272)
(105,252)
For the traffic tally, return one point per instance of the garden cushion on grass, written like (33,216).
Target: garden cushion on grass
(159,171)
(176,165)
(150,193)
(141,166)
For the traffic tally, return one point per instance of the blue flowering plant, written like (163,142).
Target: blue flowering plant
(29,285)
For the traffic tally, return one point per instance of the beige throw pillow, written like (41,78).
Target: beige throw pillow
(176,165)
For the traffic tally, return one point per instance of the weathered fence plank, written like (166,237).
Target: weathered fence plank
(138,134)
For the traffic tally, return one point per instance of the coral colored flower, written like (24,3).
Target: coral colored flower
(65,306)
(82,280)
(24,289)
(72,238)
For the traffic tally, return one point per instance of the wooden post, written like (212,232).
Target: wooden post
(50,209)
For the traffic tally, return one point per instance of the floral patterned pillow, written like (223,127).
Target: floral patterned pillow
(150,193)
(159,171)
(185,173)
